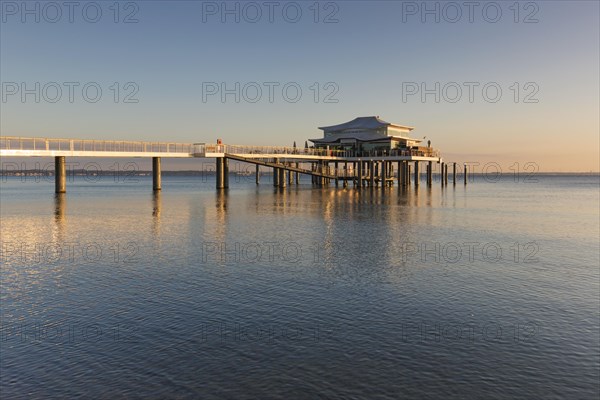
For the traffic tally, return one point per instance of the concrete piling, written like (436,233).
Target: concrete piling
(359,177)
(60,175)
(454,173)
(283,177)
(416,173)
(430,173)
(446,174)
(222,173)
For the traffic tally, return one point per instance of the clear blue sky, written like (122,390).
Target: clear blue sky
(372,53)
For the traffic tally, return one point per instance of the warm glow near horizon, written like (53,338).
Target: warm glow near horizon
(516,87)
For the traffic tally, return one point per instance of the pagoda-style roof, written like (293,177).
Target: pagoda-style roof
(359,137)
(363,123)
(362,137)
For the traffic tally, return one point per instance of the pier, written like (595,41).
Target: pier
(364,169)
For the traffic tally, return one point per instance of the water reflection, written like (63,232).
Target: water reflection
(156,204)
(221,205)
(156,210)
(215,218)
(428,196)
(60,205)
(281,201)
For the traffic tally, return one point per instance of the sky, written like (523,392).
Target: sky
(504,82)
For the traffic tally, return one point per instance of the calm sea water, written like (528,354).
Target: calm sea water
(485,291)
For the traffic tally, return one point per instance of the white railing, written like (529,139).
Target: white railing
(24,143)
(203,148)
(196,149)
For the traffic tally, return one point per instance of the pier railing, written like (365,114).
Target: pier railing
(24,143)
(200,149)
(422,152)
(196,149)
(203,148)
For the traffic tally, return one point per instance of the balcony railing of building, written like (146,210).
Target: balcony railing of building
(421,152)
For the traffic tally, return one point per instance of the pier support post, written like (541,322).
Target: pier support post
(446,174)
(156,174)
(430,173)
(275,176)
(297,174)
(383,174)
(400,173)
(336,173)
(400,176)
(389,173)
(257,174)
(290,175)
(442,173)
(408,173)
(226,171)
(465,173)
(372,173)
(222,173)
(416,173)
(360,173)
(454,173)
(60,175)
(283,177)
(318,179)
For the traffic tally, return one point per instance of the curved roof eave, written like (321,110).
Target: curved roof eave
(372,122)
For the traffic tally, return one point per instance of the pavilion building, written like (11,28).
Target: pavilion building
(364,134)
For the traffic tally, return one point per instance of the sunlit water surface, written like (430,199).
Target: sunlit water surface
(484,291)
